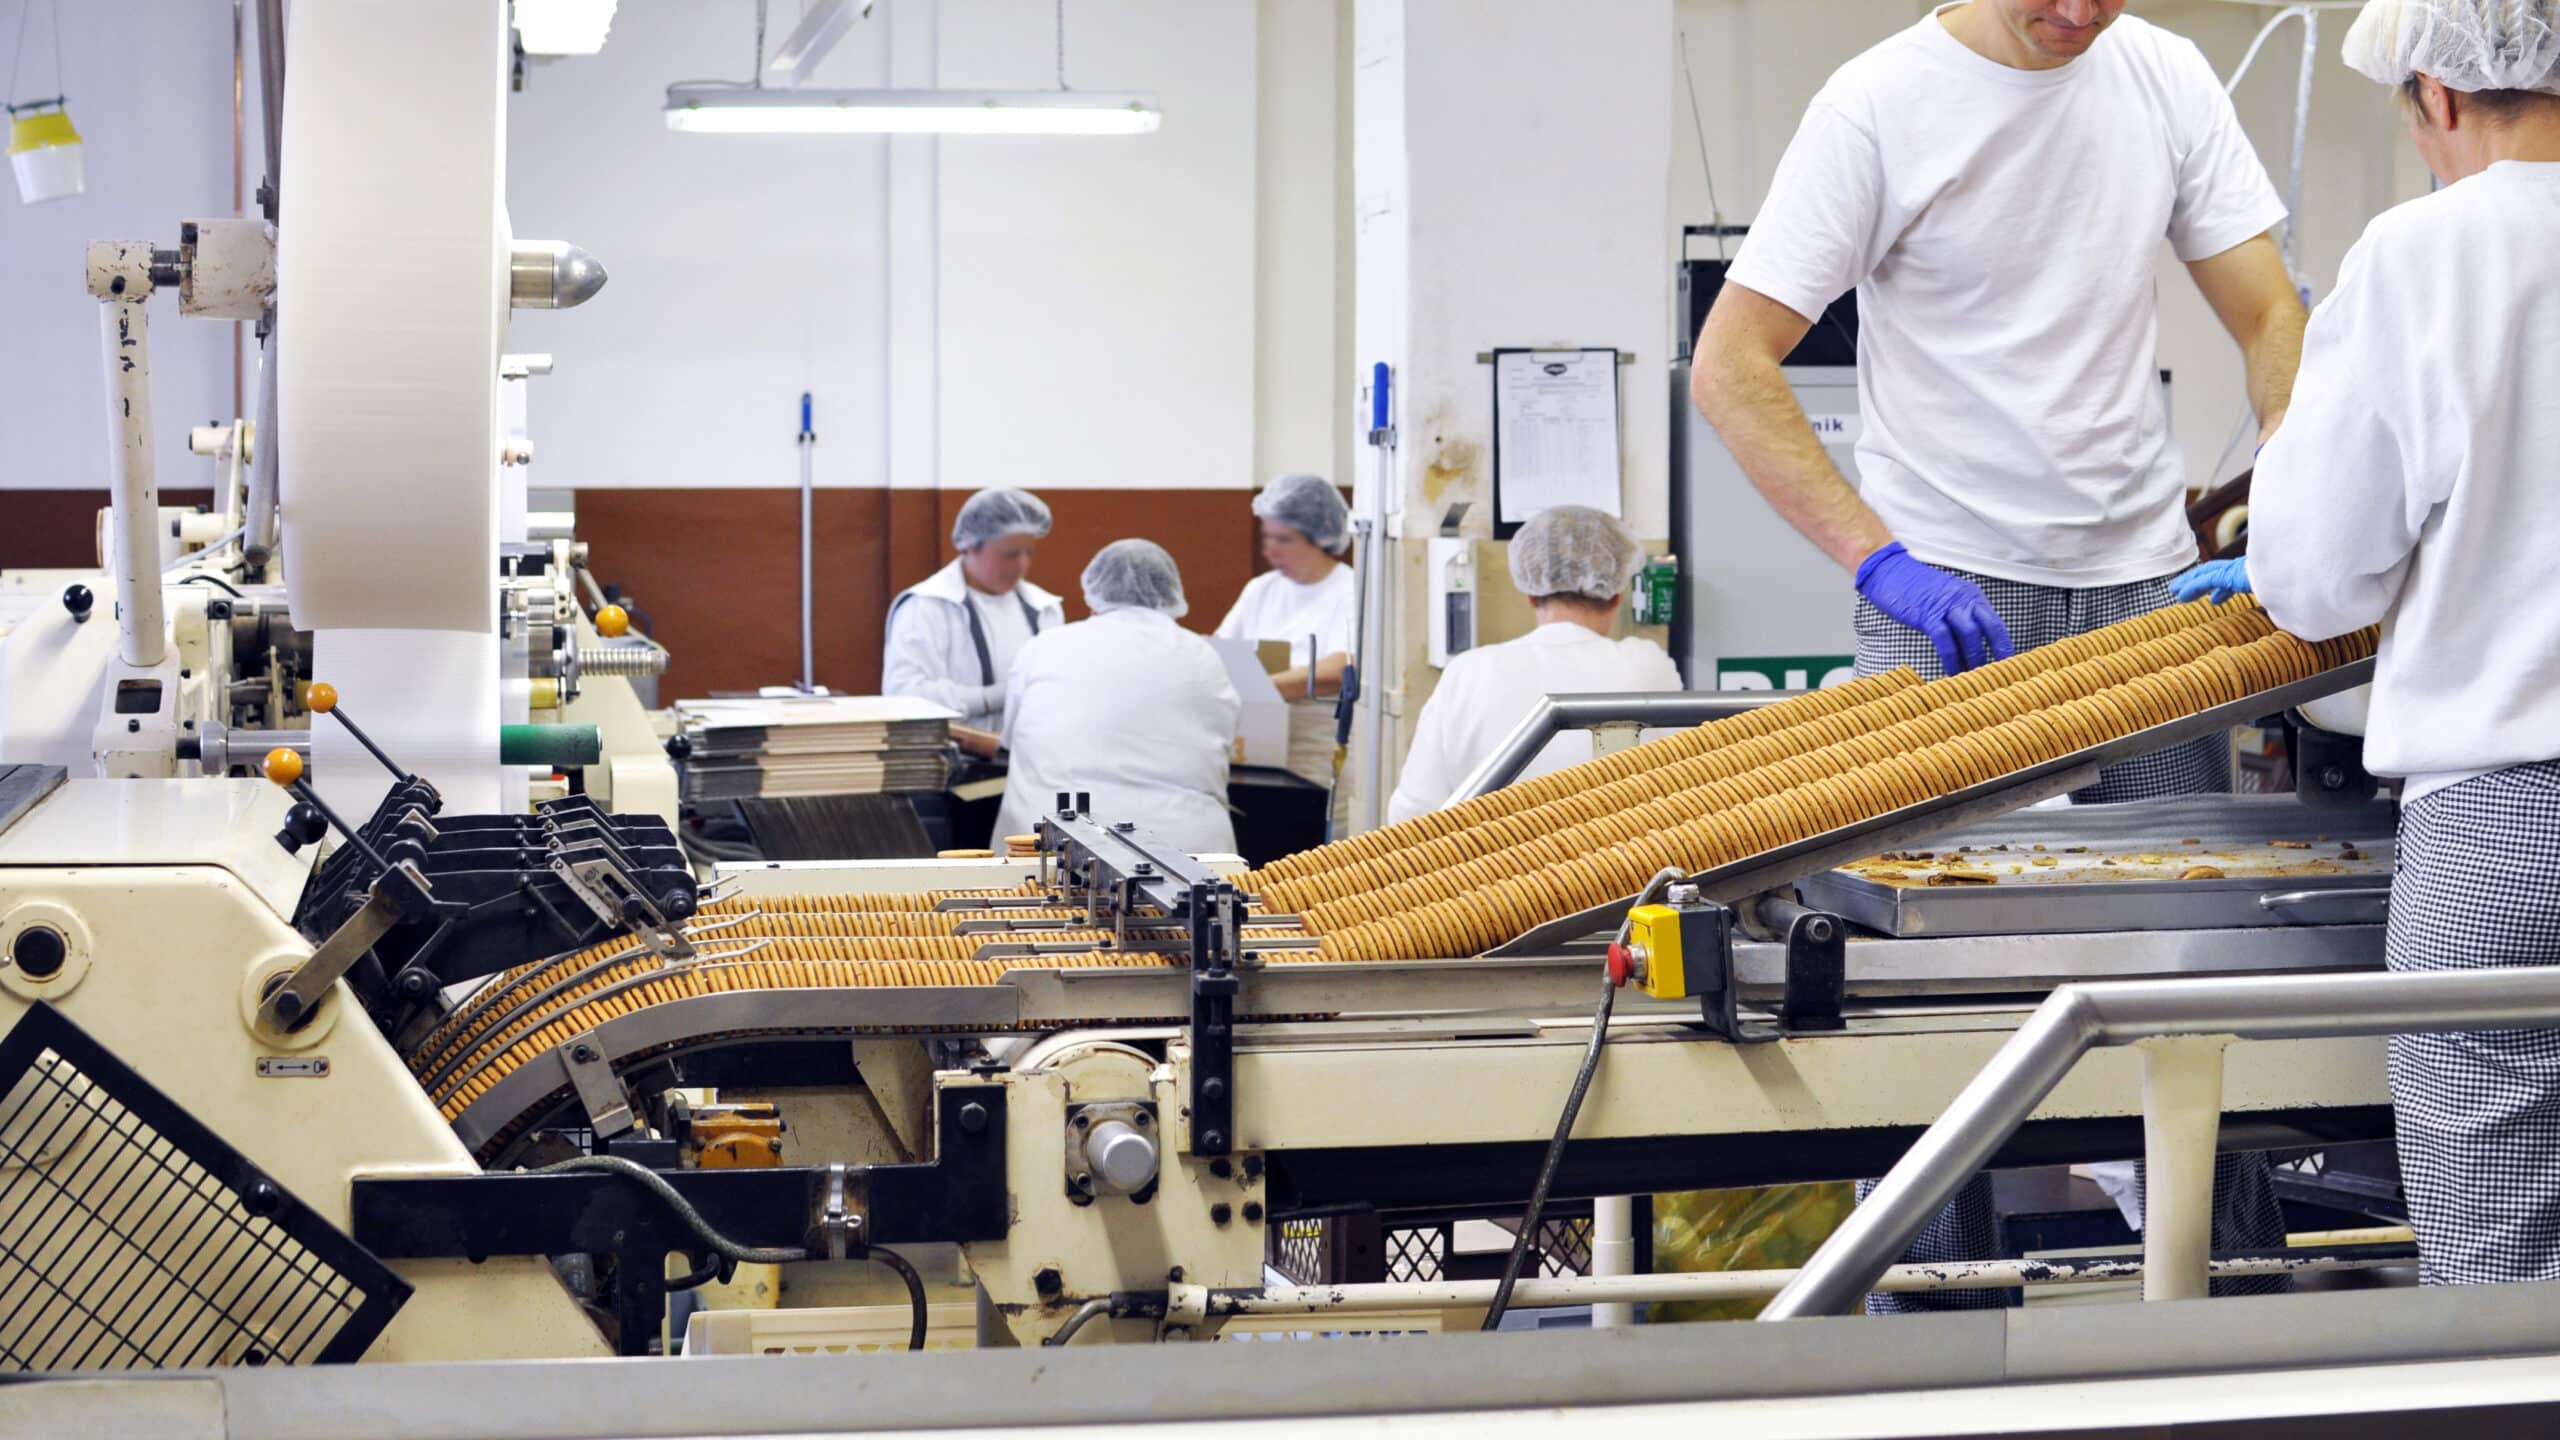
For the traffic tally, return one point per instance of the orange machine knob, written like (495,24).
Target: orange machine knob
(321,697)
(612,622)
(284,766)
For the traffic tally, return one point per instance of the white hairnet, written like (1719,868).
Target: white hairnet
(993,514)
(1134,575)
(2468,44)
(1573,550)
(1309,505)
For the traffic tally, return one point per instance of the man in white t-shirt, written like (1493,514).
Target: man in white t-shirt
(1995,183)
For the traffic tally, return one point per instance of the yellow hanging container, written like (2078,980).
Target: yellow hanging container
(44,152)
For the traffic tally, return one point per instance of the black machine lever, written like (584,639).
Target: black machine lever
(322,699)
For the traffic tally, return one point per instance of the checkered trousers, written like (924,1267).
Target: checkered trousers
(2039,615)
(2246,1214)
(2477,887)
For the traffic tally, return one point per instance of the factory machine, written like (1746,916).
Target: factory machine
(461,1047)
(285,1079)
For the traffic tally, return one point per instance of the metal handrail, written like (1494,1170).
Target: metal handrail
(2078,1018)
(1558,713)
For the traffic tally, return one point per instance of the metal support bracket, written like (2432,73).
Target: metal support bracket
(401,891)
(609,893)
(961,1195)
(1817,965)
(839,1214)
(1217,923)
(600,1092)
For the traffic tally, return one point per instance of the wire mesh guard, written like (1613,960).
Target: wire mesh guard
(132,1237)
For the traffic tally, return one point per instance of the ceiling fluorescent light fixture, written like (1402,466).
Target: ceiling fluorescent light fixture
(563,27)
(742,110)
(820,27)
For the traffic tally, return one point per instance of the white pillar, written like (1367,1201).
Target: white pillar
(1511,173)
(1613,1252)
(2181,1113)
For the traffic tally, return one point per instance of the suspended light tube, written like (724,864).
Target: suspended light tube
(744,110)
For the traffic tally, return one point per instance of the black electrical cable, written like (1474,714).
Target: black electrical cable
(1530,1218)
(656,1184)
(915,1292)
(214,580)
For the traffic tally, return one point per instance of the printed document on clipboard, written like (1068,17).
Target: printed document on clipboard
(1555,433)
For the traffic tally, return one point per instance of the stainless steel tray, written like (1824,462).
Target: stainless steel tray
(2121,868)
(1915,825)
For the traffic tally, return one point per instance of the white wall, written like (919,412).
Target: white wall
(156,122)
(1757,62)
(1056,312)
(744,268)
(1158,310)
(1098,294)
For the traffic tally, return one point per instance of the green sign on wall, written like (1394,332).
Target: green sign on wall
(1784,672)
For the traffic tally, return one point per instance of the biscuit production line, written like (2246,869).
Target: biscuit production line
(354,1079)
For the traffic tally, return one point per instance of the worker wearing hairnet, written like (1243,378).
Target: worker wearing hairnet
(953,635)
(1127,707)
(2414,488)
(1573,563)
(1995,183)
(1310,601)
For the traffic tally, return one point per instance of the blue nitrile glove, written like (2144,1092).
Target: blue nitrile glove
(2221,579)
(1951,611)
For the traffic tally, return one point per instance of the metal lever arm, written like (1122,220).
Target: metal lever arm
(400,891)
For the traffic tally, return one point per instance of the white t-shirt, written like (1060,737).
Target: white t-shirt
(2002,229)
(2413,483)
(1008,627)
(1486,693)
(1275,607)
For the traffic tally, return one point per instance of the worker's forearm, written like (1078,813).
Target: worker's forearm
(1748,402)
(2272,358)
(1292,682)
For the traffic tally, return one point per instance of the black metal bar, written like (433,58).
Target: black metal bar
(339,713)
(959,1195)
(1216,916)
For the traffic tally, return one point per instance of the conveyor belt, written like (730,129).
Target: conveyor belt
(1788,780)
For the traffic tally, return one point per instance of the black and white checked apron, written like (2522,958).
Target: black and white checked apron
(2246,1214)
(2478,886)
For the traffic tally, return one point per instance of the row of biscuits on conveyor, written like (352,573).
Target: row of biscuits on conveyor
(1717,795)
(1465,879)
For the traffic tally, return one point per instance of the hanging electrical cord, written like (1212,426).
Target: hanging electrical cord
(1706,161)
(757,80)
(2289,240)
(18,52)
(728,1249)
(1531,1218)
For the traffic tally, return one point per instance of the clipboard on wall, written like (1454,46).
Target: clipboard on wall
(1556,433)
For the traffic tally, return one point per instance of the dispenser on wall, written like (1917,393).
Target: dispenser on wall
(1452,564)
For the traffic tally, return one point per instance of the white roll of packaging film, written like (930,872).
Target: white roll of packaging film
(429,698)
(391,302)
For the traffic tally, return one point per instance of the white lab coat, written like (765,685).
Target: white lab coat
(1132,709)
(1485,694)
(932,654)
(2412,483)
